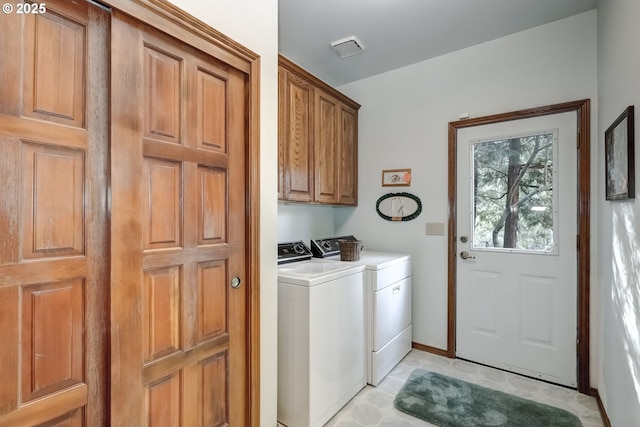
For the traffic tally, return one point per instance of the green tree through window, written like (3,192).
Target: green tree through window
(513,192)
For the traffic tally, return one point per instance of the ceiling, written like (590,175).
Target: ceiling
(396,33)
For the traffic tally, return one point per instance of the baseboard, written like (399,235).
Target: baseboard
(603,413)
(429,349)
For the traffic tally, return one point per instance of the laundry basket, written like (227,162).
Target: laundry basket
(350,250)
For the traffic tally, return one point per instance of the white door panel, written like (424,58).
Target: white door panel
(516,308)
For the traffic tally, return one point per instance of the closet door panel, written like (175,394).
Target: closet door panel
(54,275)
(178,327)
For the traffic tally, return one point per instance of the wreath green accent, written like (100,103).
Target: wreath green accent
(404,218)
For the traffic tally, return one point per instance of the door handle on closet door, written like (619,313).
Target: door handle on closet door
(235,282)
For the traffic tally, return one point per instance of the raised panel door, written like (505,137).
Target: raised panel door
(347,169)
(179,330)
(298,114)
(282,75)
(54,276)
(516,291)
(327,149)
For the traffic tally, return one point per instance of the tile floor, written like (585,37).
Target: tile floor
(373,406)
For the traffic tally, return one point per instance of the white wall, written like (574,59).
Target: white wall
(254,24)
(304,222)
(403,124)
(619,224)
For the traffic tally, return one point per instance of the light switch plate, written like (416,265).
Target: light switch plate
(435,229)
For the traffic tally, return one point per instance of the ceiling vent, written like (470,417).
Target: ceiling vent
(347,47)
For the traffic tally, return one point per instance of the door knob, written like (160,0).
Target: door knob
(235,282)
(465,255)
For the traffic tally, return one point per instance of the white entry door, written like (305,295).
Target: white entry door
(516,231)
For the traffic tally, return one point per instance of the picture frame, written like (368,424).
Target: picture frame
(396,178)
(619,157)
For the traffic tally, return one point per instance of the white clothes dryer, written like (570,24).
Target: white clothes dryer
(388,302)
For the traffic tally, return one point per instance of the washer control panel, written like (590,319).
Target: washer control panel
(293,251)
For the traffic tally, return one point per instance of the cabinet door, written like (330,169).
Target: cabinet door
(296,143)
(327,149)
(281,134)
(348,159)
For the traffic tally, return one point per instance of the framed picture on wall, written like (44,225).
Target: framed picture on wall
(396,178)
(619,157)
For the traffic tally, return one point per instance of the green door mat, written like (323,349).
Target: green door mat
(449,402)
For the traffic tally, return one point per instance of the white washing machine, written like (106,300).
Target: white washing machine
(387,304)
(321,336)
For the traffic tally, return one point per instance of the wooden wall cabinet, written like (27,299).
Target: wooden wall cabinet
(317,140)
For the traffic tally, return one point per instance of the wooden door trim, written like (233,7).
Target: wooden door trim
(253,212)
(170,19)
(583,111)
(166,17)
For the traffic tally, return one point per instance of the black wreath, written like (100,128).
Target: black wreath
(404,218)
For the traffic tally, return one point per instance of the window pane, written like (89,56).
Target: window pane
(513,200)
